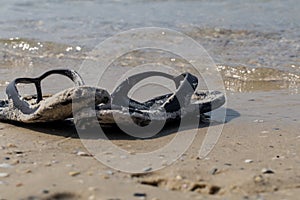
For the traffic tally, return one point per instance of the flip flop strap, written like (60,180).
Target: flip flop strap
(120,94)
(22,105)
(182,96)
(185,87)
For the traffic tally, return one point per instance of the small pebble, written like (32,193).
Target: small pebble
(15,162)
(213,171)
(105,177)
(214,189)
(78,48)
(163,156)
(147,169)
(27,171)
(74,173)
(277,157)
(81,153)
(137,194)
(5,165)
(109,172)
(264,132)
(60,55)
(45,191)
(258,179)
(10,145)
(258,121)
(69,49)
(267,171)
(18,152)
(185,186)
(19,184)
(248,161)
(3,175)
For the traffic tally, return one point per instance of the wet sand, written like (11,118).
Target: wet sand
(257,157)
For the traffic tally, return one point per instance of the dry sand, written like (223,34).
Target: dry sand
(261,132)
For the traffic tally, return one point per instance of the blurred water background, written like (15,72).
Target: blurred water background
(256,44)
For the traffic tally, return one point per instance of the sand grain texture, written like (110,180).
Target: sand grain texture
(46,162)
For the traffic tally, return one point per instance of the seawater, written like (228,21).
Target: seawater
(253,42)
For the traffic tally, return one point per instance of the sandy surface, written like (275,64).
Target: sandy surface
(256,47)
(41,161)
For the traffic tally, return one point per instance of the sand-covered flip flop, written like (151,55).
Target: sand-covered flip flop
(107,109)
(38,108)
(169,107)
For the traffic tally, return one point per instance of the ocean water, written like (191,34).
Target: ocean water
(256,44)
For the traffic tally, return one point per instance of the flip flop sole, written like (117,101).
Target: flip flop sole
(203,101)
(57,107)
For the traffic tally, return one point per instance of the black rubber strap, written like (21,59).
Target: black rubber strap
(182,96)
(120,94)
(22,105)
(185,87)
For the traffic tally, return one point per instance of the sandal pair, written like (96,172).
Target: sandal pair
(90,102)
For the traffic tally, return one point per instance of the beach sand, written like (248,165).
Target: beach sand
(256,157)
(256,47)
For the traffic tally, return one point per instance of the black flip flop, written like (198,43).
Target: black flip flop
(36,108)
(182,103)
(107,109)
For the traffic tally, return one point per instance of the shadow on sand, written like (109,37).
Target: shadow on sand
(68,129)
